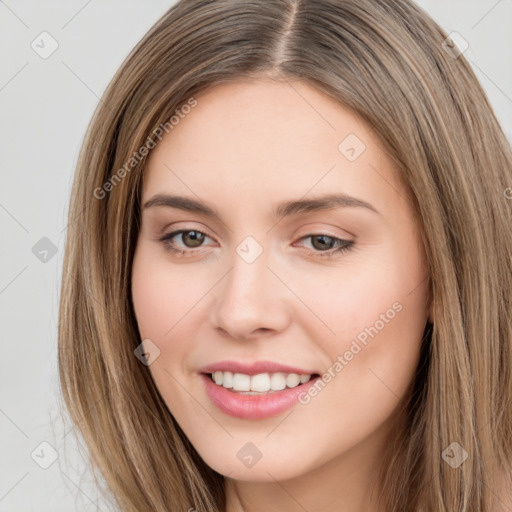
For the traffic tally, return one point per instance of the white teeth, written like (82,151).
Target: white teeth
(241,382)
(260,383)
(292,380)
(278,381)
(228,380)
(303,378)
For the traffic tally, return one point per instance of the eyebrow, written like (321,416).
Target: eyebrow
(283,209)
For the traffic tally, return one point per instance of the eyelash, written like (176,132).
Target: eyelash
(346,245)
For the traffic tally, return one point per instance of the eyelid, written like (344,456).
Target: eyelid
(315,229)
(172,228)
(167,236)
(318,231)
(344,244)
(313,233)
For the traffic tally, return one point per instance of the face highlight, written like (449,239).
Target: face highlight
(275,230)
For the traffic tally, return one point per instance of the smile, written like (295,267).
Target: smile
(260,383)
(255,390)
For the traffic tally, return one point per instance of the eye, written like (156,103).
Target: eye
(323,245)
(189,236)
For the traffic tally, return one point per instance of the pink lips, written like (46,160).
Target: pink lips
(253,406)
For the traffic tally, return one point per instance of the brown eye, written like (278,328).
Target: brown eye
(189,239)
(326,246)
(322,242)
(194,237)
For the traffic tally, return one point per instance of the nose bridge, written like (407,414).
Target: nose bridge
(248,281)
(250,298)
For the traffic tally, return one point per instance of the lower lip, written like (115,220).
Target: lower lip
(253,407)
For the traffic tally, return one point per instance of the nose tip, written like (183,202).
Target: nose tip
(248,303)
(243,333)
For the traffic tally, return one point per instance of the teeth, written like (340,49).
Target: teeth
(278,381)
(304,378)
(241,382)
(227,380)
(260,383)
(292,380)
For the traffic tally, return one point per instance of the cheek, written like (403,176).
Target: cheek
(381,321)
(362,305)
(164,303)
(376,312)
(161,298)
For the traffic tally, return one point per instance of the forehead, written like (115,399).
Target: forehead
(272,139)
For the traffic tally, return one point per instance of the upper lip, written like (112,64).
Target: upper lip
(253,367)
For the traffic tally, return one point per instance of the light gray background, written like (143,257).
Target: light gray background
(45,106)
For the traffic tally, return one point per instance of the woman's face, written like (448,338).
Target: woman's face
(278,283)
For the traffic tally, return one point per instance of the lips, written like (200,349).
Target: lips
(255,390)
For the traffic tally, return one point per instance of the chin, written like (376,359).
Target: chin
(246,464)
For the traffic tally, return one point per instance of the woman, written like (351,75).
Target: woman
(288,270)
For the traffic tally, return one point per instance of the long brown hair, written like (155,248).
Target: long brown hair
(386,60)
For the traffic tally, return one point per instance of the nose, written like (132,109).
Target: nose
(250,301)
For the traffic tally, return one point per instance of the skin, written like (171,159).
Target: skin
(245,147)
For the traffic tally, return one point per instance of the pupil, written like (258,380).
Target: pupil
(196,237)
(321,237)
